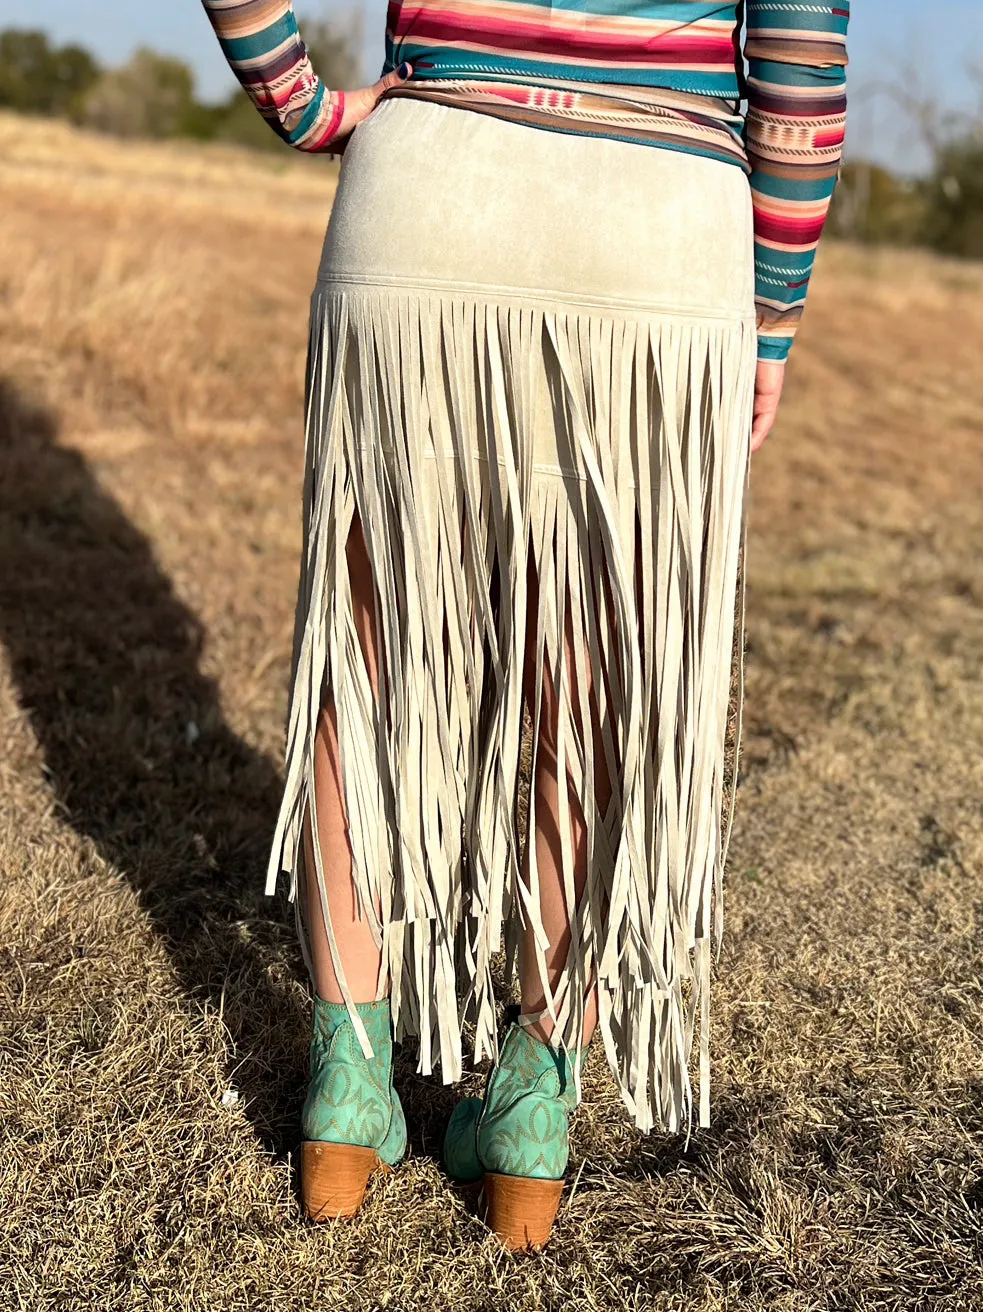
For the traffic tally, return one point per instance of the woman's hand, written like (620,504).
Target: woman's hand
(768,383)
(360,104)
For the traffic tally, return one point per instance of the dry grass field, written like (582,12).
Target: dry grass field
(153,1005)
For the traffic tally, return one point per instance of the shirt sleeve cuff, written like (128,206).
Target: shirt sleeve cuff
(774,349)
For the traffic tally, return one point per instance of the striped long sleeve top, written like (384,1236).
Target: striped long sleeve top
(667,73)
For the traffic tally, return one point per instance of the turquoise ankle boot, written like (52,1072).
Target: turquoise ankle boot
(515,1140)
(352,1121)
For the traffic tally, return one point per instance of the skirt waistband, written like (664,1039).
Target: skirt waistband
(431,195)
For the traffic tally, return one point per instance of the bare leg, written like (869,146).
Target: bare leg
(546,785)
(359,954)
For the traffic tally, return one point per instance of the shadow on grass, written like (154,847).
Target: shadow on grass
(105,658)
(737,1117)
(106,662)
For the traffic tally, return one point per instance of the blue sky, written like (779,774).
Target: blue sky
(883,35)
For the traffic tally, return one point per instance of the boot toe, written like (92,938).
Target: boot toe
(460,1142)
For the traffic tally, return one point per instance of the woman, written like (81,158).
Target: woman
(550,324)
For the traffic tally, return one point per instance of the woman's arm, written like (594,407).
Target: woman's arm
(796,55)
(264,48)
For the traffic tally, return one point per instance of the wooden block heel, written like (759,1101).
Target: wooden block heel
(333,1177)
(521,1211)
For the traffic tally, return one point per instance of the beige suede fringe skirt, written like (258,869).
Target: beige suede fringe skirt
(528,343)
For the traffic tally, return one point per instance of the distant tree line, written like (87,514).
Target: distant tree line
(154,95)
(943,210)
(944,207)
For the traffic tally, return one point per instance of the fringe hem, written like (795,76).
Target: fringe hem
(424,412)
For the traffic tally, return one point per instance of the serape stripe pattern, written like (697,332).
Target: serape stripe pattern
(667,74)
(794,131)
(263,45)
